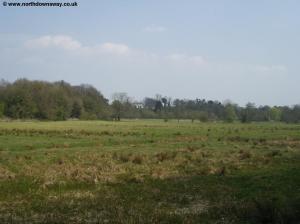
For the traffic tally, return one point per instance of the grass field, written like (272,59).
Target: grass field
(151,171)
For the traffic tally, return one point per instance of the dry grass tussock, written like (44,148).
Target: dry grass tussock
(6,174)
(99,167)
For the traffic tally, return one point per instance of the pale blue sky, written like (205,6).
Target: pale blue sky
(238,50)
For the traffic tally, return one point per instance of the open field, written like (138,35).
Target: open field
(149,172)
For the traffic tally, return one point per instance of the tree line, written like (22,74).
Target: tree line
(25,99)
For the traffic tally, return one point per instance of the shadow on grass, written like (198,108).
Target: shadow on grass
(258,197)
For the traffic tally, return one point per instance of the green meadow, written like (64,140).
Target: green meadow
(149,171)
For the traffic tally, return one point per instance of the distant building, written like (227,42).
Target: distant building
(138,105)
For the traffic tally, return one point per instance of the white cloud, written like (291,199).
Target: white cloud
(113,48)
(61,41)
(198,60)
(154,29)
(68,43)
(183,58)
(177,57)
